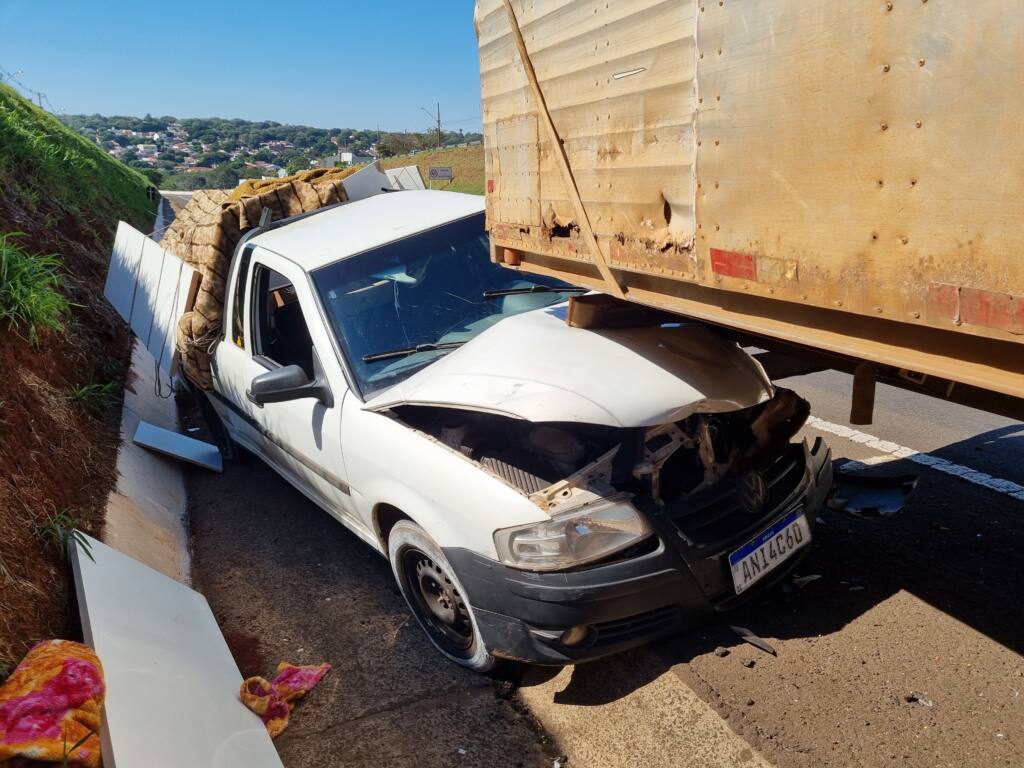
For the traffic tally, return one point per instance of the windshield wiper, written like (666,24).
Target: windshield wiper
(407,351)
(533,289)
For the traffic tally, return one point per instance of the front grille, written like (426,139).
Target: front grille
(714,514)
(641,625)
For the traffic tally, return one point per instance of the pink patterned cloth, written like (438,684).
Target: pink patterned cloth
(274,700)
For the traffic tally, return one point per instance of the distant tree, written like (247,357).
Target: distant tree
(297,164)
(213,159)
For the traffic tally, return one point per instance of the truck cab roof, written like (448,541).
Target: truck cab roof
(347,230)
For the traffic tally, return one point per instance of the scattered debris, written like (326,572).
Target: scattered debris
(748,663)
(275,699)
(803,581)
(461,751)
(721,652)
(750,702)
(858,588)
(917,698)
(560,762)
(178,446)
(754,640)
(871,497)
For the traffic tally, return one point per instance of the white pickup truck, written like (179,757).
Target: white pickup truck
(544,493)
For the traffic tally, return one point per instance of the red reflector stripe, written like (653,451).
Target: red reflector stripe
(732,264)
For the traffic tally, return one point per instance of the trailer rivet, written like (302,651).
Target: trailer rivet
(700,100)
(717,227)
(874,235)
(716,142)
(878,310)
(917,315)
(718,97)
(716,185)
(920,62)
(803,297)
(771,291)
(918,124)
(719,51)
(886,67)
(913,182)
(839,303)
(885,126)
(888,6)
(881,183)
(904,239)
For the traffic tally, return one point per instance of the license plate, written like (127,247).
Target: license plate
(756,559)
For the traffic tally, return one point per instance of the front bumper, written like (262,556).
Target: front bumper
(674,584)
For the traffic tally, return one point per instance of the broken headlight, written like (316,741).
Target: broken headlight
(582,535)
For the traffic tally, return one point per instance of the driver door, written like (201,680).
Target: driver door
(282,327)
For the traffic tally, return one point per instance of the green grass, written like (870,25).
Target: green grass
(94,397)
(29,299)
(466,162)
(61,530)
(44,164)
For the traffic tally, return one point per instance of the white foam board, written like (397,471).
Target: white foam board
(366,183)
(171,683)
(151,289)
(406,178)
(178,446)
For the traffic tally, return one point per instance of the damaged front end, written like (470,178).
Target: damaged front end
(643,521)
(672,469)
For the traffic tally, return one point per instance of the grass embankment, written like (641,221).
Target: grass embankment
(466,162)
(60,199)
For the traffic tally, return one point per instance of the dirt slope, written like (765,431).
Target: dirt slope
(57,451)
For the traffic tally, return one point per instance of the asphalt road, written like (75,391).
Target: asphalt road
(907,649)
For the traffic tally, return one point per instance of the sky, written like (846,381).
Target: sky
(333,64)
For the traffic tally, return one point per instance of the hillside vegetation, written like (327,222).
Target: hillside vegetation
(60,344)
(467,163)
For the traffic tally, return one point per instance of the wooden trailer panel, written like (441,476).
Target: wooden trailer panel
(618,79)
(874,148)
(848,177)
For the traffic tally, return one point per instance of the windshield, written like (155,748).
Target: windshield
(424,290)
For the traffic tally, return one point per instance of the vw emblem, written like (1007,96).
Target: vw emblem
(753,492)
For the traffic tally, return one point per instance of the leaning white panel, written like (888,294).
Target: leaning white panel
(172,685)
(406,178)
(368,182)
(151,289)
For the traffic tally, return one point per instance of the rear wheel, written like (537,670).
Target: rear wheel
(436,597)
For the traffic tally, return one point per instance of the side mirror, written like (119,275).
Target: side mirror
(289,383)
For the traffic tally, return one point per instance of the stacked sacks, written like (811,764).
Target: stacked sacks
(205,233)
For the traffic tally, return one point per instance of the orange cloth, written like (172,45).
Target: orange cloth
(49,703)
(274,700)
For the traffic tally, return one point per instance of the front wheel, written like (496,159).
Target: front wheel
(436,597)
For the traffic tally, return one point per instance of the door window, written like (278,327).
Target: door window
(281,333)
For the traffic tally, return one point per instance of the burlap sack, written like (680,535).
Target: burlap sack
(206,232)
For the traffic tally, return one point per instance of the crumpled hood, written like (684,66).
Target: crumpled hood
(534,366)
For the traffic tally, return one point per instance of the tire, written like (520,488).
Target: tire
(229,449)
(436,597)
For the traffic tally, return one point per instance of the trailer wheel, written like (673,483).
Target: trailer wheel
(436,597)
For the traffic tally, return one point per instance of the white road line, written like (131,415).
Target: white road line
(892,452)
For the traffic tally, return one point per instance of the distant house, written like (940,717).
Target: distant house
(351,158)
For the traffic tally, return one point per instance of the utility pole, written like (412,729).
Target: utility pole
(438,118)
